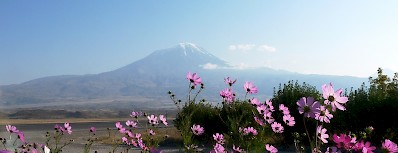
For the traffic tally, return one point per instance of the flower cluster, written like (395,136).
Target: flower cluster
(132,139)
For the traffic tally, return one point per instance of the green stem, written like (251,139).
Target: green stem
(308,134)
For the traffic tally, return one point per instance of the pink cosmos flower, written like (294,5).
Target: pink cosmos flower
(289,120)
(333,98)
(5,151)
(332,150)
(259,121)
(277,127)
(284,109)
(163,119)
(248,130)
(364,147)
(21,136)
(254,102)
(68,128)
(268,117)
(323,115)
(197,129)
(134,143)
(321,133)
(218,148)
(227,95)
(262,109)
(344,141)
(151,132)
(193,78)
(237,149)
(389,146)
(129,133)
(131,124)
(219,138)
(120,127)
(153,120)
(271,148)
(268,103)
(58,128)
(12,129)
(93,130)
(125,140)
(308,106)
(135,114)
(229,81)
(250,88)
(138,135)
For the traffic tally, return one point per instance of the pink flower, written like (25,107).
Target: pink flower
(193,78)
(364,147)
(248,130)
(68,128)
(120,127)
(151,132)
(262,109)
(250,88)
(268,103)
(229,81)
(227,95)
(131,123)
(58,128)
(333,98)
(138,135)
(153,120)
(5,151)
(135,114)
(163,119)
(308,106)
(289,120)
(21,136)
(284,109)
(125,140)
(93,129)
(268,117)
(323,115)
(271,148)
(197,129)
(237,149)
(254,102)
(332,150)
(343,141)
(259,121)
(321,133)
(277,127)
(12,129)
(219,138)
(218,148)
(389,146)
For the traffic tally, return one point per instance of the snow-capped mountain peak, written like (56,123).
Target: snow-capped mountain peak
(190,47)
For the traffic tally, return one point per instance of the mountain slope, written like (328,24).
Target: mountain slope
(150,78)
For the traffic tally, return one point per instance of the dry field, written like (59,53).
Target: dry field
(35,130)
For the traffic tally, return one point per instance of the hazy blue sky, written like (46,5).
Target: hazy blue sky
(45,38)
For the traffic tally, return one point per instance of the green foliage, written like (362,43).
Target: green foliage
(376,105)
(289,94)
(238,115)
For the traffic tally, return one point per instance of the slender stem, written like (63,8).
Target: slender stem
(194,98)
(245,96)
(189,93)
(308,134)
(316,136)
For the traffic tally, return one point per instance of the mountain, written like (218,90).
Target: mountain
(144,83)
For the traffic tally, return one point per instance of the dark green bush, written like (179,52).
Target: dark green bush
(289,94)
